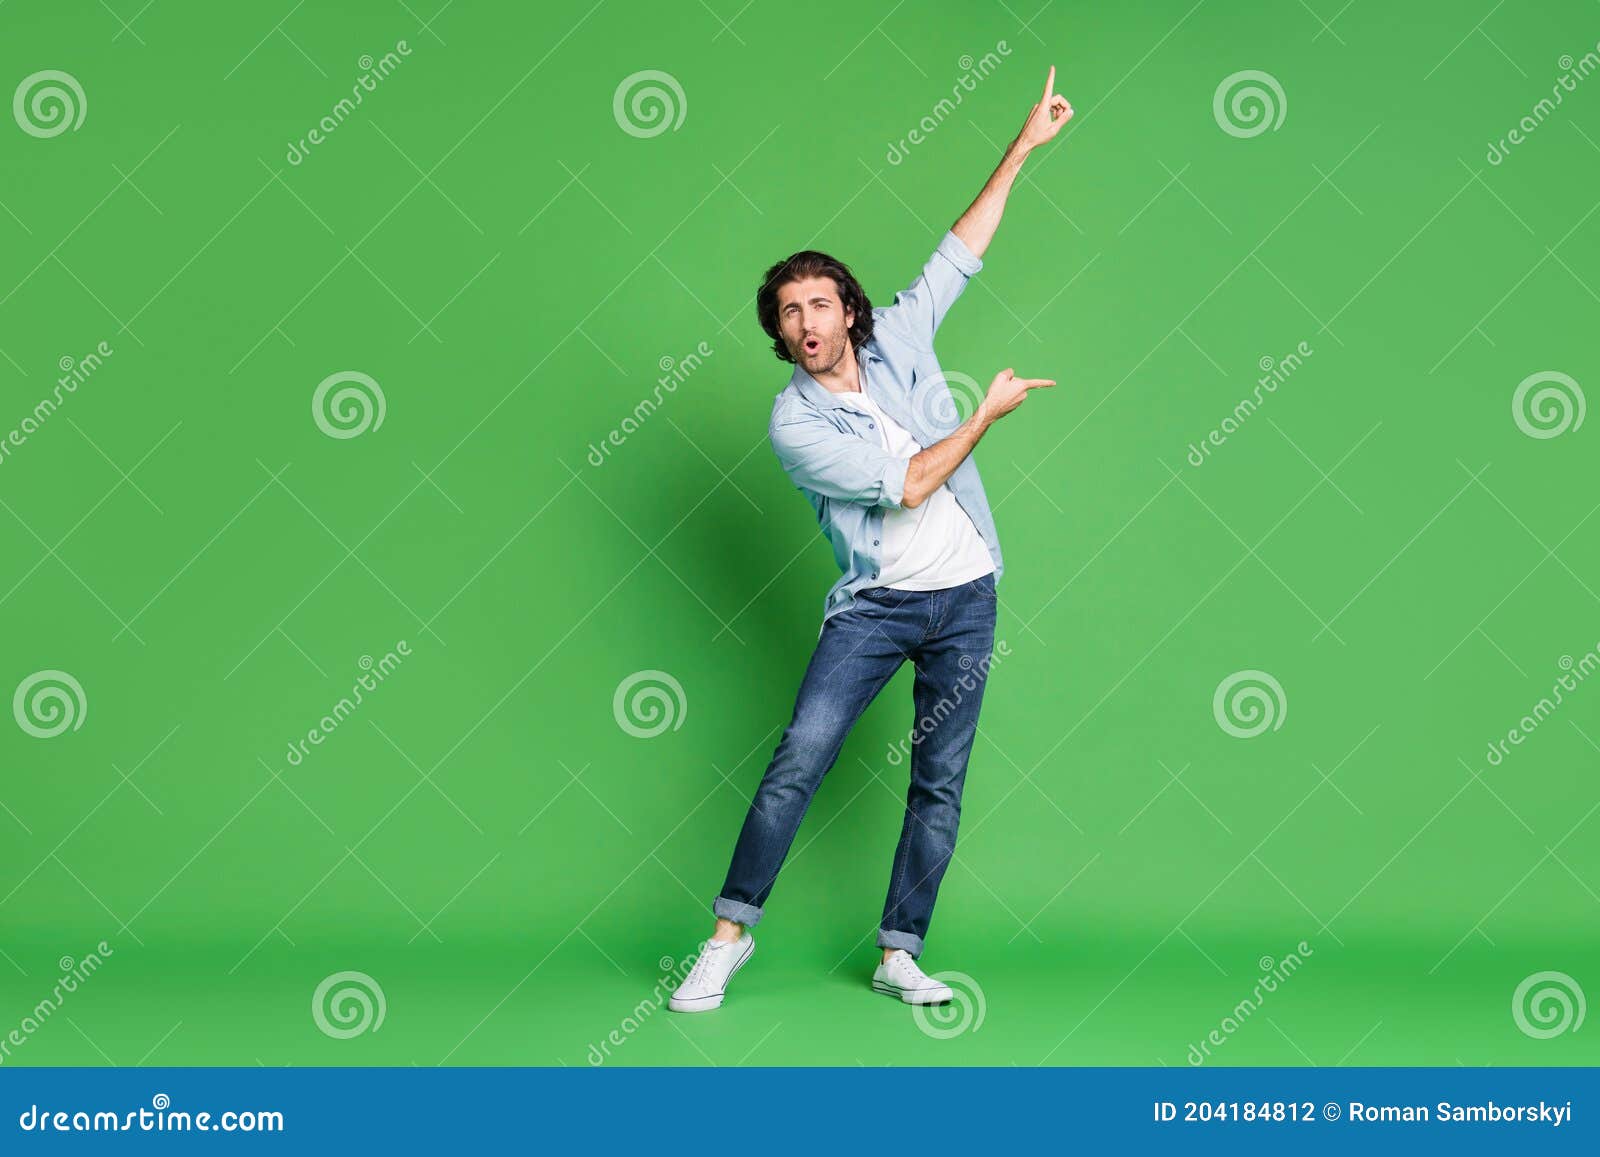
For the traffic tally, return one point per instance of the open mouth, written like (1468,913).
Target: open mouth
(812,345)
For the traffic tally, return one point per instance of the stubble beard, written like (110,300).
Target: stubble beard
(826,359)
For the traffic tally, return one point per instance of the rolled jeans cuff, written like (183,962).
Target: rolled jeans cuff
(911,943)
(747,914)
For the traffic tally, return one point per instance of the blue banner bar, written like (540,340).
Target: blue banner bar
(654,1111)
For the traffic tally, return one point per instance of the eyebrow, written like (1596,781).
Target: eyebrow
(813,300)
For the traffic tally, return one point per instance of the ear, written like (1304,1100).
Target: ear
(849,318)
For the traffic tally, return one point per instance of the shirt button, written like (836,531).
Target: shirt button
(871,426)
(874,574)
(874,542)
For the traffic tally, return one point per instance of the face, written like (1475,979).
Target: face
(814,324)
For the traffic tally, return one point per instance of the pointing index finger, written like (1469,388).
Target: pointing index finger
(1049,85)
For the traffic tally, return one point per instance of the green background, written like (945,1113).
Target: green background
(482,238)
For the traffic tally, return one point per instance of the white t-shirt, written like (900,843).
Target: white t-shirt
(931,546)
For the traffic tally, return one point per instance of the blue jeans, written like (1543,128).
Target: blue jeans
(949,636)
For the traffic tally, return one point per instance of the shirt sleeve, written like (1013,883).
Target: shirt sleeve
(919,309)
(820,458)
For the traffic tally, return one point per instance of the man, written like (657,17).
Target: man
(869,432)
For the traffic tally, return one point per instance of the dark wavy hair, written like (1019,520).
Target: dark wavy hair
(798,267)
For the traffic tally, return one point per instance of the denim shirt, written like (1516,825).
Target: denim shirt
(831,449)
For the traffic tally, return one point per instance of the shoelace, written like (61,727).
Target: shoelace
(698,972)
(909,964)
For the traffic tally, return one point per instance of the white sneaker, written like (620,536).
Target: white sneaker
(707,983)
(900,977)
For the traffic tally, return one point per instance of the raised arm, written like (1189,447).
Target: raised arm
(919,309)
(1047,118)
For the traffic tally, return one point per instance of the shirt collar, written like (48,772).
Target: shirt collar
(818,394)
